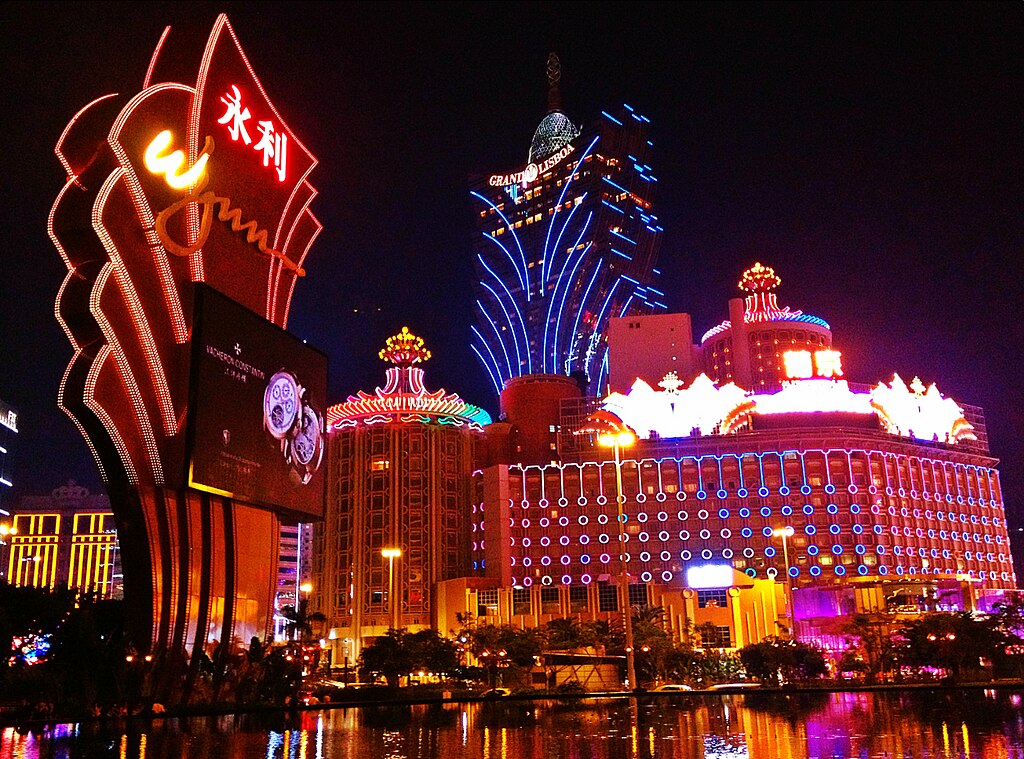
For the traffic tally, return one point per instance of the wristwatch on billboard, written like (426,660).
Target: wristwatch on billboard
(306,447)
(282,403)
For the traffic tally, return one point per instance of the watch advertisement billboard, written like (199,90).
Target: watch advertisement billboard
(256,425)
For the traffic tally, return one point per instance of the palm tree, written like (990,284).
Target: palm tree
(301,619)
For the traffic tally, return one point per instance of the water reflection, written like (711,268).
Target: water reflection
(933,724)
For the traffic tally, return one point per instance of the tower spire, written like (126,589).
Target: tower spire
(554,78)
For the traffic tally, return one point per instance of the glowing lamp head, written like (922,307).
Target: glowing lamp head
(306,587)
(783,532)
(391,553)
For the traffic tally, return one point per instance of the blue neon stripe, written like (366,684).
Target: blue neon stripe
(558,242)
(522,322)
(515,268)
(525,278)
(616,208)
(497,367)
(620,253)
(602,371)
(579,310)
(608,115)
(659,292)
(551,221)
(618,186)
(554,291)
(629,279)
(494,380)
(561,310)
(627,107)
(600,316)
(487,316)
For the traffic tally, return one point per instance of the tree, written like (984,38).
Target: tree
(955,642)
(301,619)
(873,634)
(505,647)
(387,656)
(776,661)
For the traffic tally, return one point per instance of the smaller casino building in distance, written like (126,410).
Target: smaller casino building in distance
(400,463)
(66,539)
(759,474)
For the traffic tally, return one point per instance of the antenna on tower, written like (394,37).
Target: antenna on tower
(554,77)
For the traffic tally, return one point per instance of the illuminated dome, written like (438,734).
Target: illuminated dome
(554,132)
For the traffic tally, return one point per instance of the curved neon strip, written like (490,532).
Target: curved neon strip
(579,313)
(561,199)
(554,294)
(511,326)
(623,311)
(600,316)
(512,261)
(561,310)
(602,370)
(525,276)
(497,368)
(497,386)
(522,321)
(558,240)
(508,361)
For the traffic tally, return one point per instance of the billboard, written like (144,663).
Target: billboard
(256,428)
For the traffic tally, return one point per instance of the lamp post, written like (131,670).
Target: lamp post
(617,440)
(784,533)
(391,554)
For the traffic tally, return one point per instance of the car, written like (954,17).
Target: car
(495,693)
(668,687)
(734,686)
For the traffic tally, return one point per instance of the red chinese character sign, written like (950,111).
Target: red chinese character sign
(190,180)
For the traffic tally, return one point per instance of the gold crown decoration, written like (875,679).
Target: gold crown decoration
(405,348)
(758,279)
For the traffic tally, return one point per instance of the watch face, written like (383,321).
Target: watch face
(281,404)
(307,438)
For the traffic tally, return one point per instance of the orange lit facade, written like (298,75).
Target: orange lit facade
(67,539)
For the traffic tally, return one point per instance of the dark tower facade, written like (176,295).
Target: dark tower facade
(565,243)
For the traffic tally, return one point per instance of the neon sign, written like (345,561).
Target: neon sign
(531,172)
(271,143)
(920,413)
(170,165)
(804,364)
(705,576)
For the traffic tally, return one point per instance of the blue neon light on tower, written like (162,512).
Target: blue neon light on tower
(565,243)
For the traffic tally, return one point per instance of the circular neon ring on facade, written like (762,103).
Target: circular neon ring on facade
(858,529)
(854,508)
(602,519)
(666,576)
(899,570)
(543,503)
(810,529)
(701,495)
(660,497)
(723,513)
(563,501)
(744,513)
(878,529)
(684,534)
(902,492)
(583,519)
(526,542)
(680,495)
(742,493)
(641,498)
(750,572)
(726,532)
(805,489)
(830,488)
(564,540)
(545,561)
(703,514)
(880,549)
(815,570)
(771,573)
(584,539)
(586,579)
(642,516)
(746,532)
(527,561)
(543,521)
(861,569)
(685,555)
(605,558)
(812,550)
(769,552)
(666,556)
(794,571)
(834,529)
(913,493)
(602,538)
(837,549)
(643,537)
(832,509)
(840,570)
(890,491)
(852,490)
(601,500)
(872,489)
(808,509)
(566,579)
(525,504)
(763,491)
(883,570)
(722,493)
(748,552)
(646,577)
(766,531)
(786,511)
(526,522)
(949,498)
(622,518)
(563,521)
(582,500)
(876,509)
(664,536)
(682,516)
(766,512)
(565,560)
(859,549)
(898,550)
(706,554)
(527,581)
(705,534)
(727,553)
(784,490)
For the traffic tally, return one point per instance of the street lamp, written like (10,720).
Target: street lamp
(617,439)
(391,554)
(784,533)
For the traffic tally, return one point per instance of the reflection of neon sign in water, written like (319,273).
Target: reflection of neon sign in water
(531,172)
(196,178)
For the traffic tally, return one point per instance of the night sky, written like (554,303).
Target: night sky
(871,153)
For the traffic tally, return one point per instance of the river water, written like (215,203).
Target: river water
(889,725)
